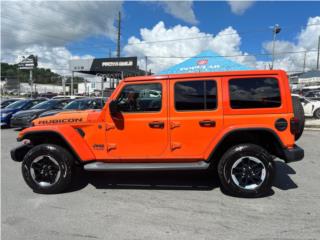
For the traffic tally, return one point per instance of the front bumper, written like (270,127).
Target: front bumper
(293,154)
(20,122)
(5,121)
(18,153)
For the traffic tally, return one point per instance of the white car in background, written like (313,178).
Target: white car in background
(311,107)
(67,97)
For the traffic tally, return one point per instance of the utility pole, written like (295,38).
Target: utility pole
(85,87)
(102,85)
(146,60)
(71,87)
(318,53)
(64,85)
(31,82)
(304,61)
(119,33)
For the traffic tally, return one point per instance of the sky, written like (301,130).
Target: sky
(166,31)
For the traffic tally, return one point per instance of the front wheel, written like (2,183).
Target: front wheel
(47,168)
(246,170)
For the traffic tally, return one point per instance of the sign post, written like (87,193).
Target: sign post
(64,86)
(29,63)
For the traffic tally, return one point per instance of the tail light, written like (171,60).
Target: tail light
(294,125)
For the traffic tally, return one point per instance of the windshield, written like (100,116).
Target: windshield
(45,105)
(5,103)
(18,104)
(78,105)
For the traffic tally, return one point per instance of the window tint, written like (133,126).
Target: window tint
(61,104)
(18,104)
(140,98)
(254,93)
(44,105)
(195,95)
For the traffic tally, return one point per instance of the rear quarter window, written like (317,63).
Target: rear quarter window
(254,93)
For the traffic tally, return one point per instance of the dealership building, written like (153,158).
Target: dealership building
(105,72)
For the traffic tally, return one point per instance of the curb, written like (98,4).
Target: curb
(312,125)
(310,128)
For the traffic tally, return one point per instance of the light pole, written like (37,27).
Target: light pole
(275,30)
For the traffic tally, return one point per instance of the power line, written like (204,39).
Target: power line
(239,55)
(219,56)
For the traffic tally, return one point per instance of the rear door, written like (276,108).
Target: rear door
(195,116)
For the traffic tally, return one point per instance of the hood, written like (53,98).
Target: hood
(70,117)
(53,112)
(29,112)
(316,103)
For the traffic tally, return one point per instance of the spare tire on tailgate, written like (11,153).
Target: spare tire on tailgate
(298,114)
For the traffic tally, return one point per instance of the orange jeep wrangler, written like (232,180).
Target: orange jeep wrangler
(237,121)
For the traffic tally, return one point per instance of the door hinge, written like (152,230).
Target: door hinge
(109,126)
(174,124)
(111,146)
(175,145)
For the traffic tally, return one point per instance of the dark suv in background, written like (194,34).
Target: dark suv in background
(79,104)
(23,119)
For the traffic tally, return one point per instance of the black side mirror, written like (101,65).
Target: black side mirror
(114,108)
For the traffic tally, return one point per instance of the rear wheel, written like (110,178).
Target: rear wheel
(47,168)
(317,114)
(246,170)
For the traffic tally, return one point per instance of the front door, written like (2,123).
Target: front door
(195,116)
(140,131)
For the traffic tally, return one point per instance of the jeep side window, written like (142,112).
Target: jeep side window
(195,95)
(254,93)
(140,98)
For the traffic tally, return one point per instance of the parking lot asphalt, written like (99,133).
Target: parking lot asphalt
(183,205)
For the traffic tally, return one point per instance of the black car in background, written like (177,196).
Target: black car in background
(23,119)
(79,104)
(11,109)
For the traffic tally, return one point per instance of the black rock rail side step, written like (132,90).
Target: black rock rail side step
(106,167)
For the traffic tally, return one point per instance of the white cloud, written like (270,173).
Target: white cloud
(239,7)
(180,9)
(227,42)
(55,23)
(43,28)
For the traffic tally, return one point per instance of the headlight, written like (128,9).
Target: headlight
(3,115)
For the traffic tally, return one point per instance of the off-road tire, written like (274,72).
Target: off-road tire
(231,156)
(317,113)
(61,156)
(299,114)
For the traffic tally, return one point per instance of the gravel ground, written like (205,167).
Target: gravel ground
(163,205)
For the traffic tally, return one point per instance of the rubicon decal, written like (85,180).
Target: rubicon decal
(57,121)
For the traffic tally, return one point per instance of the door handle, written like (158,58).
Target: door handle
(207,123)
(156,124)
